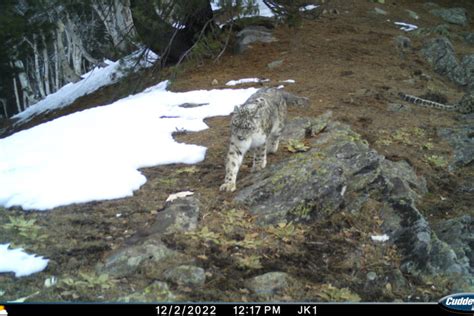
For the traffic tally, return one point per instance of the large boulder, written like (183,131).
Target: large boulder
(460,138)
(253,34)
(341,172)
(146,252)
(467,64)
(456,16)
(270,283)
(439,52)
(458,233)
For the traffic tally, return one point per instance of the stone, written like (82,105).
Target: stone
(128,260)
(275,64)
(439,52)
(192,105)
(269,284)
(468,38)
(458,233)
(402,43)
(456,16)
(460,138)
(412,14)
(380,11)
(467,64)
(341,172)
(186,275)
(253,34)
(181,215)
(145,249)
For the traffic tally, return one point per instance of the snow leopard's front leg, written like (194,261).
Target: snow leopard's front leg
(259,158)
(274,138)
(233,161)
(272,146)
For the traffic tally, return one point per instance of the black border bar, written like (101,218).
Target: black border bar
(227,309)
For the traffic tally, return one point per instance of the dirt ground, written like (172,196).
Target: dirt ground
(345,62)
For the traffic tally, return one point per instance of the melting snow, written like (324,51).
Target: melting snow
(92,81)
(381,238)
(95,154)
(245,80)
(308,7)
(178,195)
(19,262)
(406,26)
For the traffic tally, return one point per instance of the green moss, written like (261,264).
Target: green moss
(302,211)
(437,161)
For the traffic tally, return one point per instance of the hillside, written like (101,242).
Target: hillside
(380,166)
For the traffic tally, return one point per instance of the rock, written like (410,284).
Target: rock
(402,43)
(181,215)
(191,105)
(468,38)
(460,138)
(371,276)
(270,283)
(253,34)
(275,64)
(466,184)
(459,235)
(156,292)
(412,14)
(186,275)
(467,64)
(456,16)
(146,250)
(440,54)
(380,11)
(128,260)
(430,5)
(341,172)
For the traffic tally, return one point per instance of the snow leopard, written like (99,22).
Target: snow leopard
(257,125)
(464,106)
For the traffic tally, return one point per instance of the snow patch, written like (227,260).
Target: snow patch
(308,7)
(92,81)
(95,154)
(263,10)
(245,80)
(381,238)
(19,262)
(406,26)
(288,81)
(178,195)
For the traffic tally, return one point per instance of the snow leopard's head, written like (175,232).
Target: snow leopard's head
(243,123)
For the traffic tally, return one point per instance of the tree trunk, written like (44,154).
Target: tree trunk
(56,66)
(37,67)
(17,96)
(68,73)
(4,105)
(46,66)
(155,26)
(117,18)
(25,86)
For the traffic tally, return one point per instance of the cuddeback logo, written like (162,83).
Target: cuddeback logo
(462,303)
(3,311)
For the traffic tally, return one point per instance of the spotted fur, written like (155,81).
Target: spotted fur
(465,105)
(257,125)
